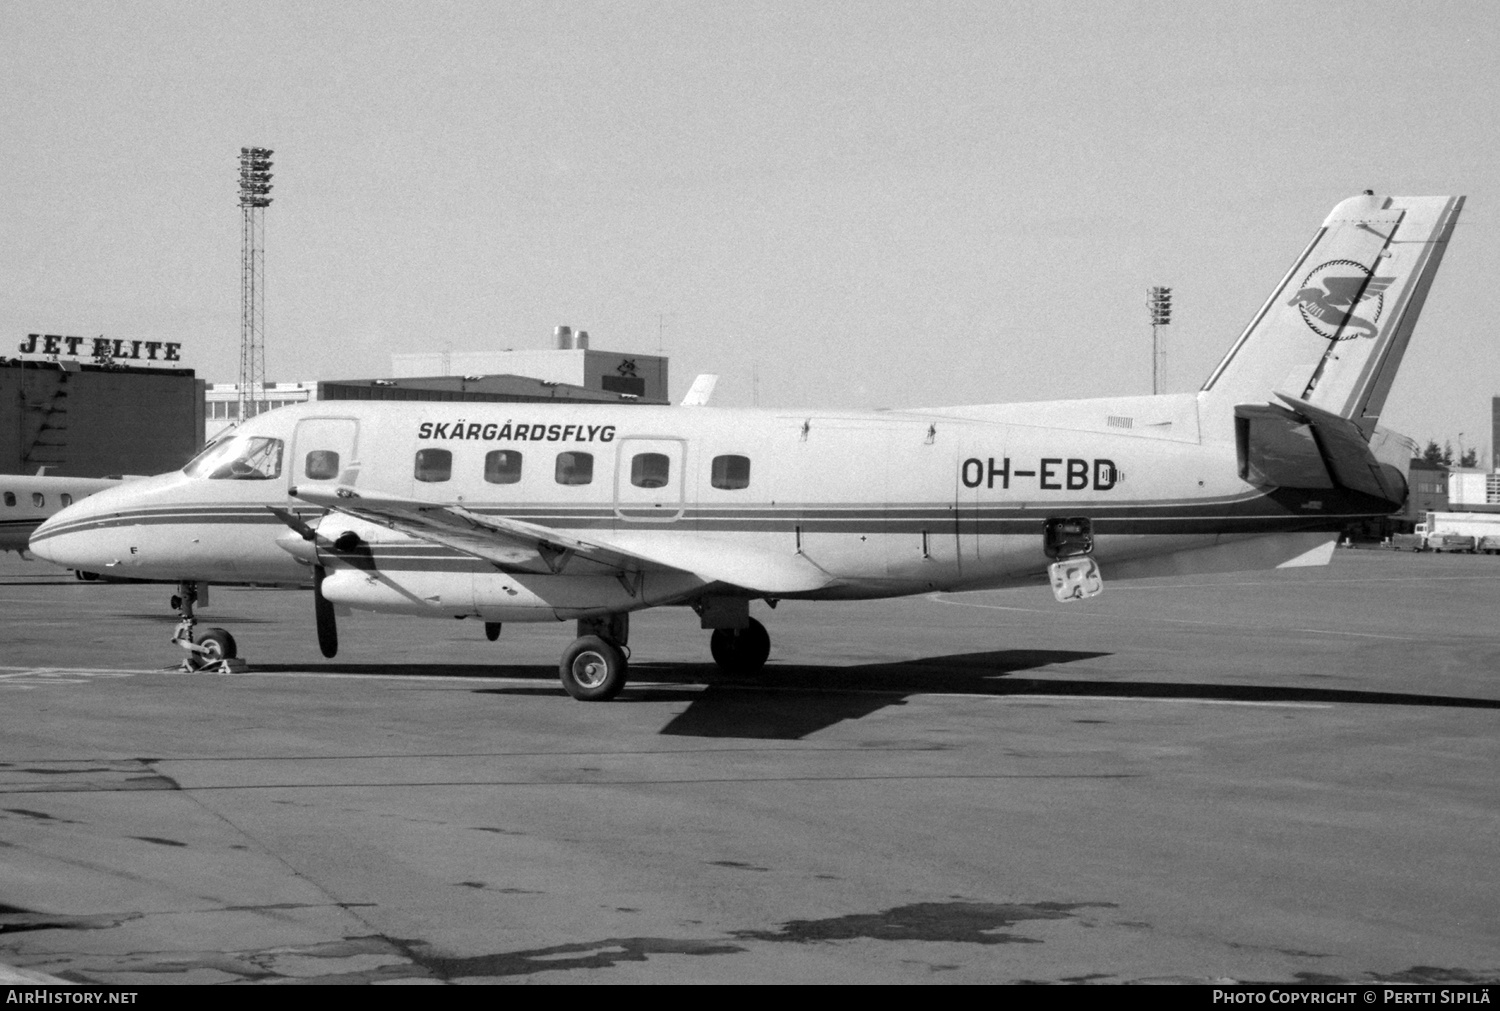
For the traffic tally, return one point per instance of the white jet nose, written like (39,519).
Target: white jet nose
(61,539)
(85,535)
(40,542)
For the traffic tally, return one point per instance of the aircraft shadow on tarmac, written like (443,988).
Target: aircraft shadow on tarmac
(788,702)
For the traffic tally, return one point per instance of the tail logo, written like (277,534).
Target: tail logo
(1332,293)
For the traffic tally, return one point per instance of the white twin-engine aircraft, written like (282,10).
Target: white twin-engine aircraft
(531,512)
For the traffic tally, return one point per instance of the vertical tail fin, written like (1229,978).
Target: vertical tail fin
(1333,333)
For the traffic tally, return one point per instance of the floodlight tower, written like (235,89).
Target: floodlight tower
(255,190)
(1159,302)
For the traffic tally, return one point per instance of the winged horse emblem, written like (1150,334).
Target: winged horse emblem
(1329,302)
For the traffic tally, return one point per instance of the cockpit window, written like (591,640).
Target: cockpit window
(208,447)
(244,458)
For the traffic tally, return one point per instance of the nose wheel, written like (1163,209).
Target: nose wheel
(212,651)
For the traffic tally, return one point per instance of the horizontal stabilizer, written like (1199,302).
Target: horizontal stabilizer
(1305,447)
(1346,451)
(1276,447)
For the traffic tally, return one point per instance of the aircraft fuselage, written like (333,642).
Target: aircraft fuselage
(851,504)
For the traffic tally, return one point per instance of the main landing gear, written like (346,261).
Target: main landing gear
(212,651)
(739,643)
(594,668)
(741,651)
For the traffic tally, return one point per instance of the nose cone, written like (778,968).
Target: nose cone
(70,536)
(38,544)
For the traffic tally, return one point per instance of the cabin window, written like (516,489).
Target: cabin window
(434,465)
(321,465)
(731,472)
(245,458)
(10,498)
(65,499)
(650,470)
(502,466)
(39,500)
(575,468)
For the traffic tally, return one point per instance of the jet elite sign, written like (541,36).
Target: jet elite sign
(102,348)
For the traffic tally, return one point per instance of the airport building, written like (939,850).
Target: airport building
(98,418)
(221,403)
(572,363)
(1471,489)
(1437,487)
(1427,489)
(92,407)
(572,372)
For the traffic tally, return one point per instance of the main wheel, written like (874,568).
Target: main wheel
(492,630)
(741,650)
(592,669)
(217,644)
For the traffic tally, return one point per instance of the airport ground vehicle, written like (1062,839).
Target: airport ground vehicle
(504,512)
(1454,531)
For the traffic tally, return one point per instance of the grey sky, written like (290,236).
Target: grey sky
(878,204)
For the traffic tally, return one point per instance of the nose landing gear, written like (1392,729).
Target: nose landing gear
(213,651)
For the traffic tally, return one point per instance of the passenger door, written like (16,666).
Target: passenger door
(649,480)
(324,452)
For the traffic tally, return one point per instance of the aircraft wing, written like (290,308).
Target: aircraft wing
(514,543)
(497,539)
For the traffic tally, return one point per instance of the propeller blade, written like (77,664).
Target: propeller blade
(294,521)
(328,629)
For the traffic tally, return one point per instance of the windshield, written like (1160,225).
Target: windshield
(244,458)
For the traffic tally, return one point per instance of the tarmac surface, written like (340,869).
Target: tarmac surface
(1276,777)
